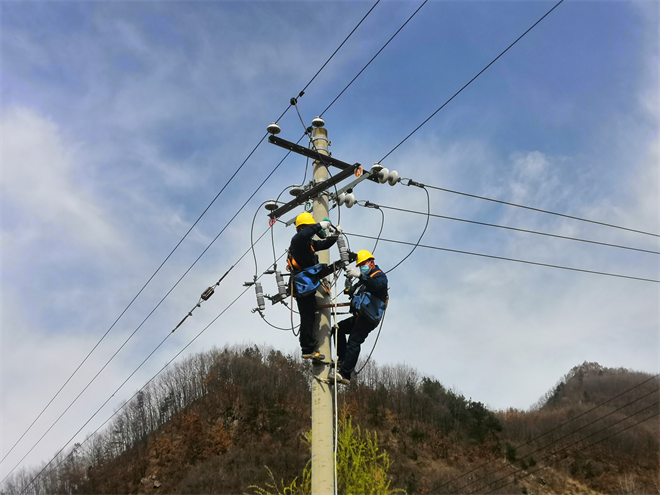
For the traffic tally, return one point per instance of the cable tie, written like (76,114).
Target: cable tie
(301,94)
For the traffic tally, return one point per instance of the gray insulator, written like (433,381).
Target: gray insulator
(281,284)
(261,303)
(343,252)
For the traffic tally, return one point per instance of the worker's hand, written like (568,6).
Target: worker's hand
(353,272)
(338,229)
(324,224)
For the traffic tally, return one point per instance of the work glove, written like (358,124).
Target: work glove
(324,224)
(338,230)
(353,272)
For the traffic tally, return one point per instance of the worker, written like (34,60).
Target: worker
(306,272)
(369,298)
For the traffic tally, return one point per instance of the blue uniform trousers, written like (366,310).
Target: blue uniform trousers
(354,329)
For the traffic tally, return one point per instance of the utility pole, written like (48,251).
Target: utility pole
(318,192)
(322,438)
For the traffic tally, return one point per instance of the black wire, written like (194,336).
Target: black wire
(520,230)
(542,211)
(373,58)
(582,440)
(143,387)
(368,204)
(510,259)
(184,237)
(382,320)
(555,428)
(155,308)
(342,44)
(546,446)
(470,81)
(428,217)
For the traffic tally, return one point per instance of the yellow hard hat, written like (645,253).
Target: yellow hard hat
(363,256)
(305,219)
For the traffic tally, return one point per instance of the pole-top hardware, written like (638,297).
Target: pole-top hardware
(296,191)
(318,122)
(273,128)
(270,205)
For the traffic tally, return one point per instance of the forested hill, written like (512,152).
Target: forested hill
(212,424)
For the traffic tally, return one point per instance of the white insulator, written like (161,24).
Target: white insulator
(393,178)
(383,176)
(377,167)
(296,191)
(341,199)
(350,200)
(318,122)
(270,205)
(273,128)
(343,251)
(261,303)
(281,284)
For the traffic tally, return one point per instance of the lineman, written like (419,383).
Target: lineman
(306,273)
(369,297)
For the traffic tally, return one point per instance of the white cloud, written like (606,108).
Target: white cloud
(40,181)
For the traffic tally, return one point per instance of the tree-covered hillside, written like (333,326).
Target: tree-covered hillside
(223,420)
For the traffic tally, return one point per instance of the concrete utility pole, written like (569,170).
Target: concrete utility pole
(322,439)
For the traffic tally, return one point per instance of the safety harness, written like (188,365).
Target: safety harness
(305,280)
(365,304)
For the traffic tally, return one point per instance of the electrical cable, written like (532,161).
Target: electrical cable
(373,58)
(143,387)
(470,81)
(517,229)
(369,204)
(546,446)
(509,259)
(342,44)
(582,440)
(428,217)
(185,236)
(106,364)
(542,211)
(153,310)
(555,428)
(382,320)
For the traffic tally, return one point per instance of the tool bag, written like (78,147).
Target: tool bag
(369,306)
(307,280)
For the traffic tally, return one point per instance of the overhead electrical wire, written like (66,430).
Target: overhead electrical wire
(136,370)
(543,211)
(152,311)
(548,445)
(509,259)
(582,440)
(515,229)
(574,418)
(301,93)
(470,81)
(374,57)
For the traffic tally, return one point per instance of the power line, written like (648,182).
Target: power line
(151,313)
(185,236)
(517,229)
(374,57)
(546,446)
(542,211)
(135,371)
(509,259)
(557,427)
(470,81)
(582,440)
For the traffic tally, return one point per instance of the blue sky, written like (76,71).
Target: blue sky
(121,121)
